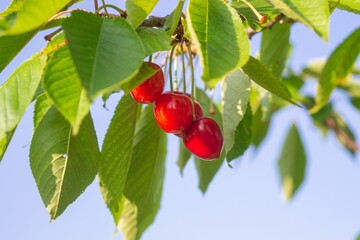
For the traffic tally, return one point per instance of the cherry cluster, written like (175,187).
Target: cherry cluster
(177,113)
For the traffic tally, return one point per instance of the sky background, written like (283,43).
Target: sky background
(244,202)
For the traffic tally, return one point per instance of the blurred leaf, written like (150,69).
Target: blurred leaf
(144,73)
(314,68)
(235,97)
(105,51)
(337,67)
(348,5)
(263,7)
(343,133)
(263,76)
(138,10)
(275,47)
(208,169)
(63,165)
(18,91)
(42,105)
(259,128)
(293,84)
(26,15)
(356,102)
(314,14)
(242,136)
(173,19)
(291,163)
(219,36)
(154,40)
(143,187)
(184,156)
(62,84)
(116,153)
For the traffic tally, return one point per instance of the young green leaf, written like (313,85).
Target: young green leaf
(275,48)
(18,91)
(184,156)
(347,5)
(263,7)
(173,19)
(235,97)
(117,152)
(63,165)
(219,35)
(138,10)
(263,76)
(143,188)
(154,40)
(291,163)
(62,84)
(337,67)
(105,51)
(207,169)
(242,136)
(314,14)
(42,105)
(24,16)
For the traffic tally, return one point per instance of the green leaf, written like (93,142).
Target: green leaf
(116,153)
(263,76)
(314,14)
(184,156)
(173,19)
(347,5)
(344,134)
(337,67)
(63,165)
(4,143)
(24,16)
(42,105)
(62,84)
(207,169)
(235,97)
(275,47)
(260,126)
(154,40)
(242,136)
(105,51)
(138,10)
(145,179)
(144,73)
(292,163)
(219,35)
(263,7)
(18,91)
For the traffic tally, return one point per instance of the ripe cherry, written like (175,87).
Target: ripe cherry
(173,112)
(151,89)
(204,139)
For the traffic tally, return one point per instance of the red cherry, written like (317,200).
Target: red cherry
(173,112)
(204,139)
(151,89)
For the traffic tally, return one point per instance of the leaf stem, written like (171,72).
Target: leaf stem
(183,66)
(119,10)
(258,15)
(170,67)
(51,35)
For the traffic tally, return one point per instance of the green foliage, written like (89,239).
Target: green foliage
(183,158)
(222,46)
(154,40)
(173,19)
(292,162)
(99,47)
(138,10)
(63,165)
(348,5)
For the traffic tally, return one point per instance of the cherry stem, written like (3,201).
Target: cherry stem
(176,85)
(150,58)
(192,78)
(212,109)
(96,4)
(258,15)
(183,67)
(170,67)
(119,10)
(104,6)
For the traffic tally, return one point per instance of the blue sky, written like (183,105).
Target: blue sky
(241,203)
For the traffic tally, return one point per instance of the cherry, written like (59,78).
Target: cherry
(151,89)
(204,139)
(173,112)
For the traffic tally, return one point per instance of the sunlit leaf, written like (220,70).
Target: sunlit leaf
(173,19)
(348,5)
(291,163)
(4,143)
(138,10)
(63,165)
(42,105)
(218,33)
(105,51)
